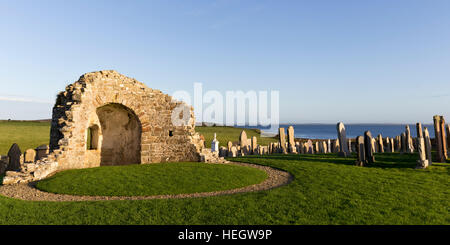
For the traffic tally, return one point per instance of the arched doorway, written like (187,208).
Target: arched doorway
(121,131)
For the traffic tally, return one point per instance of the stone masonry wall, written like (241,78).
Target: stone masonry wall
(76,110)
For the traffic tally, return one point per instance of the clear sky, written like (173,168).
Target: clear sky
(351,61)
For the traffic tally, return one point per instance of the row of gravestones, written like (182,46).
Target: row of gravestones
(286,144)
(365,146)
(404,143)
(16,160)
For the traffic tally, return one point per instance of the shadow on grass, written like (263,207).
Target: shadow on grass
(382,160)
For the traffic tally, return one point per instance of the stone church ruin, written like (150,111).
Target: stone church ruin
(106,119)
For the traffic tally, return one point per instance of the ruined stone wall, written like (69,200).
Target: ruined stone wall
(116,107)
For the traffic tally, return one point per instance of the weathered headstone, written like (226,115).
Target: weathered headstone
(361,151)
(343,150)
(291,140)
(229,145)
(233,151)
(350,145)
(42,151)
(440,138)
(368,143)
(223,152)
(30,155)
(380,144)
(329,146)
(387,146)
(282,140)
(254,144)
(14,155)
(403,142)
(309,147)
(4,161)
(335,146)
(409,143)
(448,135)
(375,145)
(243,141)
(422,162)
(428,146)
(392,145)
(324,146)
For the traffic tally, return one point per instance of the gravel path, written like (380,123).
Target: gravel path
(276,178)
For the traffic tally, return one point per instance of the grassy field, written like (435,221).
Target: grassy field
(26,134)
(326,190)
(153,179)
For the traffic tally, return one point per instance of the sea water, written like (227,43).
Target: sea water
(329,131)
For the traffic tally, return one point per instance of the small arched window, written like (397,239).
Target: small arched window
(92,138)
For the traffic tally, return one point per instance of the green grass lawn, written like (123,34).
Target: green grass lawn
(152,179)
(26,134)
(326,190)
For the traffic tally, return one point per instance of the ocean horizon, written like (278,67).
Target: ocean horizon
(329,131)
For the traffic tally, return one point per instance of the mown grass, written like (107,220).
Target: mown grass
(152,179)
(26,134)
(225,134)
(326,190)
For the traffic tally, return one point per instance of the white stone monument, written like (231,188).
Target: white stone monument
(214,144)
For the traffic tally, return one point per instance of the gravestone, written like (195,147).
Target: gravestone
(233,151)
(291,140)
(375,145)
(254,144)
(324,146)
(350,145)
(380,144)
(42,151)
(309,147)
(223,152)
(360,149)
(428,146)
(282,140)
(441,141)
(14,155)
(214,144)
(229,145)
(388,144)
(343,150)
(398,145)
(448,135)
(329,146)
(403,142)
(369,149)
(335,146)
(422,162)
(30,155)
(421,148)
(409,143)
(243,141)
(4,161)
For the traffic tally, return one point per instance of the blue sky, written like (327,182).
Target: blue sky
(351,61)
